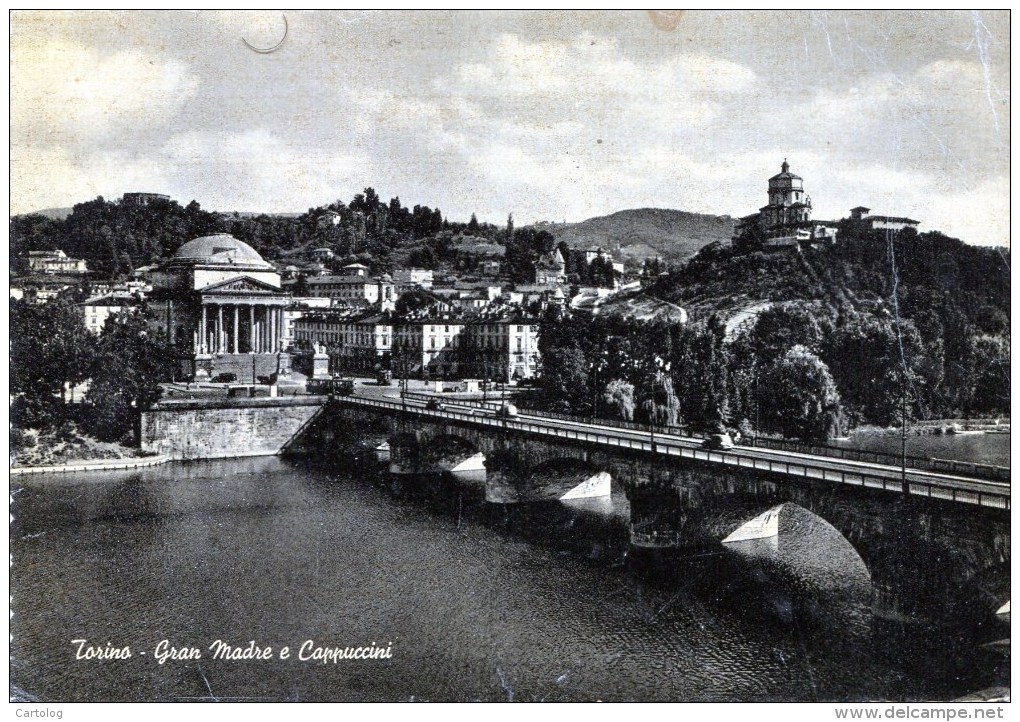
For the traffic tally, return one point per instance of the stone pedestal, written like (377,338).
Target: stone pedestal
(320,366)
(202,367)
(282,365)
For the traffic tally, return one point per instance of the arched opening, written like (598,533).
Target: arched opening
(804,548)
(568,478)
(454,454)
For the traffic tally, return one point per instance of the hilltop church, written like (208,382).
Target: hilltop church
(786,220)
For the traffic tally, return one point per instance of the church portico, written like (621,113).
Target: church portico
(223,308)
(227,327)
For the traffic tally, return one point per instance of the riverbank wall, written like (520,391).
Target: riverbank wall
(91,465)
(226,428)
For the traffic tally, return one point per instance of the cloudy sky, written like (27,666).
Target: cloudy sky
(550,116)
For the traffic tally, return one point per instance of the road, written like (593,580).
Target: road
(847,471)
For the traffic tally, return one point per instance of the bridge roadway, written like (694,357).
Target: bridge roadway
(842,471)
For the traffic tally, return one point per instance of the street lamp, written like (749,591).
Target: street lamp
(485,376)
(651,416)
(903,441)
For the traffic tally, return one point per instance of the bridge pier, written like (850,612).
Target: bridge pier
(928,556)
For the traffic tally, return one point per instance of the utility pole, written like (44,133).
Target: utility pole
(903,439)
(651,419)
(903,361)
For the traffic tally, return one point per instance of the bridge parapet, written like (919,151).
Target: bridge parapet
(931,485)
(923,548)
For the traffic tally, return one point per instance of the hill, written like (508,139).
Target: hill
(645,232)
(57,214)
(935,274)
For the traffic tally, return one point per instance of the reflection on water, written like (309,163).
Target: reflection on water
(480,602)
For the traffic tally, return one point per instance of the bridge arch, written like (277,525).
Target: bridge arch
(558,478)
(804,541)
(452,453)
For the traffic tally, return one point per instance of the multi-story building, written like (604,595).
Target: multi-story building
(356,340)
(55,262)
(428,346)
(299,307)
(503,348)
(414,277)
(862,216)
(97,309)
(353,289)
(551,268)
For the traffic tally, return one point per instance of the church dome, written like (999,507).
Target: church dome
(785,173)
(219,249)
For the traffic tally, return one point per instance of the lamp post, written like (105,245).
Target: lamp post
(485,376)
(651,416)
(903,442)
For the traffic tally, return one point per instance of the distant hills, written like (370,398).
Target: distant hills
(645,232)
(57,214)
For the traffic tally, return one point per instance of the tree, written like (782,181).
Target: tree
(661,404)
(799,397)
(509,229)
(130,364)
(472,226)
(565,378)
(50,347)
(619,396)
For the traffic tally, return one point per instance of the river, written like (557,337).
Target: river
(979,448)
(473,601)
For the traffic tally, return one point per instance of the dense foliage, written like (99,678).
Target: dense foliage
(51,352)
(824,351)
(113,237)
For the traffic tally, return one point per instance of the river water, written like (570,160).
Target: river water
(473,601)
(979,448)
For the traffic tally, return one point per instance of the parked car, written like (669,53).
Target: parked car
(718,442)
(224,378)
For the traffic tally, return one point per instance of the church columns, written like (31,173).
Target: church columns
(219,329)
(234,328)
(203,325)
(259,331)
(274,330)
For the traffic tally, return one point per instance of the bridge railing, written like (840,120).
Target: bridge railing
(616,423)
(948,466)
(476,403)
(981,493)
(963,468)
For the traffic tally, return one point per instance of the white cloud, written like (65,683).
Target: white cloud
(256,170)
(63,93)
(47,177)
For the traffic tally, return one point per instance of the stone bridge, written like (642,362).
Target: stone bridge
(927,555)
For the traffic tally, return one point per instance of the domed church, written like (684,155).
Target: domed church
(222,305)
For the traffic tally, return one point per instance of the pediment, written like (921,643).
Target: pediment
(241,285)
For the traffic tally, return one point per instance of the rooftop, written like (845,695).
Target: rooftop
(220,249)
